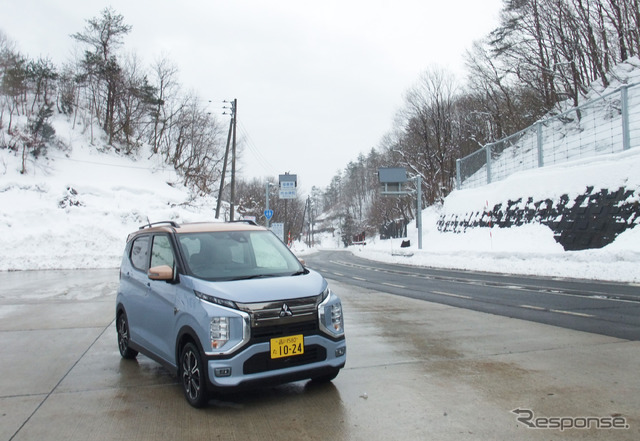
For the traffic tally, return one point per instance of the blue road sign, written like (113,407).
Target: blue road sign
(268,214)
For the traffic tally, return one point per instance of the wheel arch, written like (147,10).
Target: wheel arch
(120,309)
(185,335)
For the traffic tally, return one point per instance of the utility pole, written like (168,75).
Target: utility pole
(232,130)
(308,207)
(234,111)
(224,171)
(304,215)
(311,220)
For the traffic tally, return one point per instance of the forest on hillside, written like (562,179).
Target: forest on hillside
(542,53)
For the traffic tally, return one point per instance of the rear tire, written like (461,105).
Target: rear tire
(193,376)
(122,327)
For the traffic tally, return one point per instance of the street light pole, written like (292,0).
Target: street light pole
(269,184)
(419,206)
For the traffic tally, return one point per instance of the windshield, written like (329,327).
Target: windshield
(234,255)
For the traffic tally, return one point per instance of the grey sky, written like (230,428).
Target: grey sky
(317,83)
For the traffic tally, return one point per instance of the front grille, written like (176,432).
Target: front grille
(264,334)
(282,317)
(278,312)
(262,362)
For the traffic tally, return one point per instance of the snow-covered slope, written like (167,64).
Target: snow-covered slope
(596,130)
(75,207)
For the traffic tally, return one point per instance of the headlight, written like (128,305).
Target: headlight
(215,300)
(336,317)
(330,315)
(219,332)
(220,328)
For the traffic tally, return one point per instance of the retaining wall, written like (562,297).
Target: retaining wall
(590,220)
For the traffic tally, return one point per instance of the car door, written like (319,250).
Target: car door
(135,287)
(160,303)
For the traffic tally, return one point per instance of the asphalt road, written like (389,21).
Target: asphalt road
(611,309)
(416,370)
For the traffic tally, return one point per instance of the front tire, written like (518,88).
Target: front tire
(193,376)
(122,327)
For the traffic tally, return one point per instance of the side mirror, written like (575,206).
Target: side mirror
(162,272)
(302,262)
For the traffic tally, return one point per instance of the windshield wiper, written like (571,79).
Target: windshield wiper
(256,276)
(301,272)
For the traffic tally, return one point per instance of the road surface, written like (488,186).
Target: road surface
(415,370)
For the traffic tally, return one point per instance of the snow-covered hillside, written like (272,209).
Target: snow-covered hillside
(595,130)
(75,207)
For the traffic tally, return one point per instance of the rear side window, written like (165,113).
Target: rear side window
(140,253)
(161,252)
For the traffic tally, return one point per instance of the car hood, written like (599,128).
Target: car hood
(261,290)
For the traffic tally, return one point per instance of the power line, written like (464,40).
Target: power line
(257,154)
(113,165)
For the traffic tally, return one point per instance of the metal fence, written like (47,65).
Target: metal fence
(608,124)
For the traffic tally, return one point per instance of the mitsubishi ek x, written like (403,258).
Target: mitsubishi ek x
(226,305)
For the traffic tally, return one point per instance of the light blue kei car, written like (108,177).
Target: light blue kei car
(225,306)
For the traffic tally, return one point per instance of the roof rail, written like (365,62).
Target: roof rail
(246,221)
(149,224)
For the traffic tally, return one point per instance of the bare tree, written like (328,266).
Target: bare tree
(165,81)
(138,99)
(429,145)
(195,148)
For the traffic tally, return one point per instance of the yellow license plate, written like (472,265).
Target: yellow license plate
(287,346)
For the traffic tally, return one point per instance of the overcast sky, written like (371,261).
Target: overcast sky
(317,83)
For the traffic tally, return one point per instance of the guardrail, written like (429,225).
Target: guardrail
(608,124)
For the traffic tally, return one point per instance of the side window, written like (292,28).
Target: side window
(140,253)
(161,252)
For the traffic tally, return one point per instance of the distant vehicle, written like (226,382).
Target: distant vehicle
(226,305)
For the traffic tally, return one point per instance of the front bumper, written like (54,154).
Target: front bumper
(253,366)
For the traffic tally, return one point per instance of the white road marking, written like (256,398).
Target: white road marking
(448,294)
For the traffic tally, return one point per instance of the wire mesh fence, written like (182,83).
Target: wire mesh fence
(608,124)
